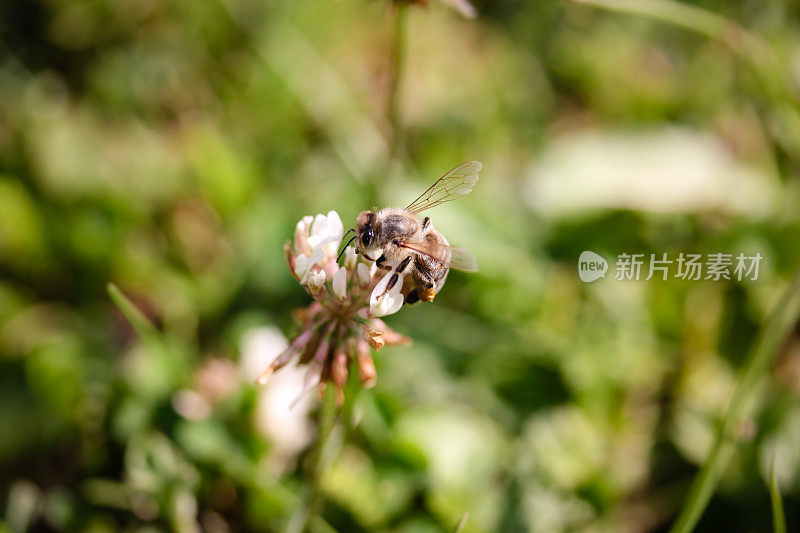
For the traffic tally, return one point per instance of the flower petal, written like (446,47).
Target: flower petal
(316,278)
(319,230)
(388,304)
(304,224)
(317,257)
(381,302)
(339,283)
(350,258)
(301,244)
(301,267)
(335,226)
(363,274)
(320,225)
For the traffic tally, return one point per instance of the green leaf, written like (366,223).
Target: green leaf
(144,328)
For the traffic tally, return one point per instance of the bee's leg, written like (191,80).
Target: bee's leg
(404,264)
(380,262)
(395,275)
(423,273)
(412,297)
(426,222)
(426,290)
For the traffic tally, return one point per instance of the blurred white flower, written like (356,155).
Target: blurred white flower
(190,404)
(258,348)
(281,415)
(672,170)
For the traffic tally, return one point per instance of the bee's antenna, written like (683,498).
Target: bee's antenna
(346,245)
(346,233)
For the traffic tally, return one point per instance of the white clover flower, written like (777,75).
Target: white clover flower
(190,404)
(342,323)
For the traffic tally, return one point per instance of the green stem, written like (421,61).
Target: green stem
(327,419)
(772,336)
(778,518)
(306,514)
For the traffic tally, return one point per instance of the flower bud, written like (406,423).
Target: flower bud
(350,258)
(339,369)
(390,336)
(290,257)
(374,338)
(366,366)
(301,232)
(316,279)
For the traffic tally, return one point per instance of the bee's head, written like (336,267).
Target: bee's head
(365,231)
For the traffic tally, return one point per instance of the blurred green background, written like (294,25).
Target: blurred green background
(169,147)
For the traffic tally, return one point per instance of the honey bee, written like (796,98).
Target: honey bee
(411,244)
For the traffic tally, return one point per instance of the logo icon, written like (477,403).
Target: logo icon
(591,266)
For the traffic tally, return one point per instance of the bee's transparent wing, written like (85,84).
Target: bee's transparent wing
(452,256)
(463,259)
(454,185)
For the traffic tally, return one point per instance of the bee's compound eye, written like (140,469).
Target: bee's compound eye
(367,236)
